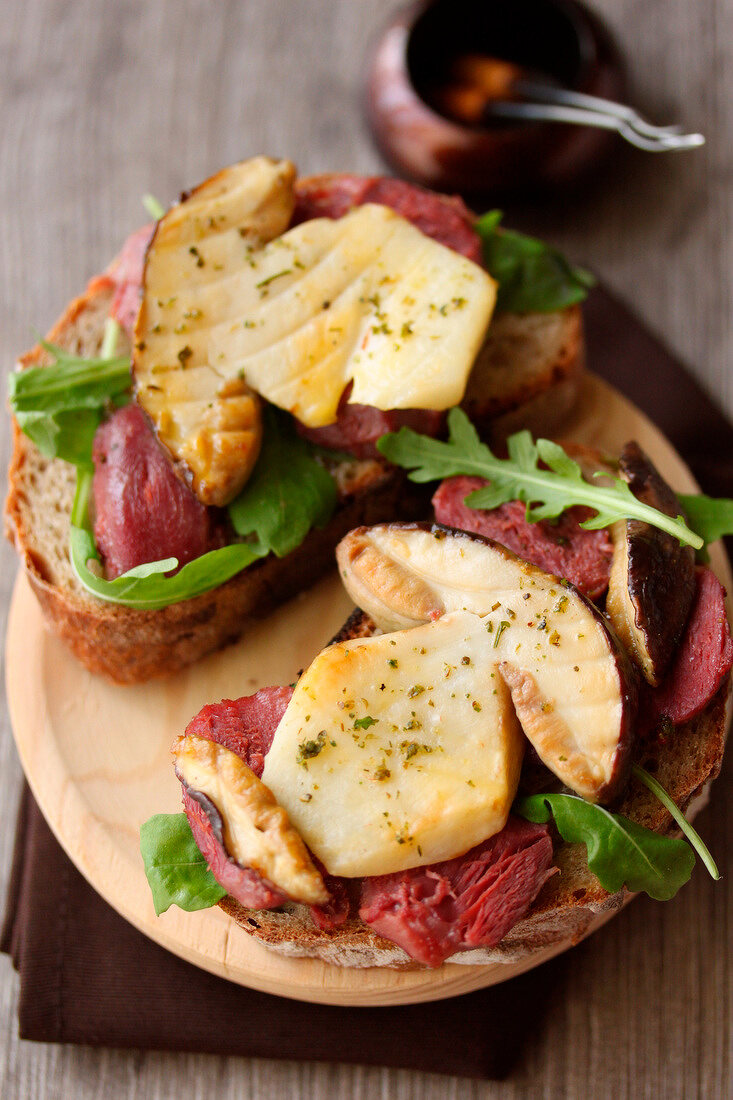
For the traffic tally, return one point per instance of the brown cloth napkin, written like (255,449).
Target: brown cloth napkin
(87,976)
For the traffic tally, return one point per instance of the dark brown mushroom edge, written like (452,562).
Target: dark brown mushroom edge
(652,576)
(572,684)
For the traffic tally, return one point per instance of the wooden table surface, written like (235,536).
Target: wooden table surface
(105,101)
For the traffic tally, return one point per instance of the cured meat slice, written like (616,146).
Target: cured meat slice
(445,218)
(143,511)
(358,427)
(246,726)
(463,903)
(328,196)
(705,655)
(243,883)
(563,548)
(334,912)
(127,272)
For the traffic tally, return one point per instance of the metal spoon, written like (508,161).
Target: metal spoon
(547,93)
(660,139)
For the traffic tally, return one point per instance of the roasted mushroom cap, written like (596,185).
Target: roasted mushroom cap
(206,415)
(256,830)
(652,576)
(236,304)
(571,682)
(399,750)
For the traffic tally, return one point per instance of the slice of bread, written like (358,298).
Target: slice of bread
(530,363)
(685,761)
(527,374)
(128,645)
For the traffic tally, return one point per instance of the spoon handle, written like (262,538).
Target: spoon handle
(550,112)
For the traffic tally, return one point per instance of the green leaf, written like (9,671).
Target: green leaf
(365,723)
(533,277)
(146,587)
(288,493)
(153,207)
(68,435)
(692,835)
(59,407)
(547,493)
(711,518)
(620,852)
(176,871)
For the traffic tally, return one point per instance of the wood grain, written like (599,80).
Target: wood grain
(103,101)
(96,791)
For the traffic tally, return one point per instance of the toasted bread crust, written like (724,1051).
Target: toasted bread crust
(131,646)
(545,354)
(685,761)
(128,645)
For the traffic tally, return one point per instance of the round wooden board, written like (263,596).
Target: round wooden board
(97,757)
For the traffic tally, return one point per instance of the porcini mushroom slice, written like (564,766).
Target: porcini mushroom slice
(257,831)
(376,571)
(399,750)
(208,418)
(234,298)
(570,680)
(652,580)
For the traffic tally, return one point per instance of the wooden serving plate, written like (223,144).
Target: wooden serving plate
(97,757)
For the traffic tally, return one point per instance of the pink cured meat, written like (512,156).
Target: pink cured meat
(463,903)
(334,912)
(329,196)
(127,272)
(705,655)
(358,427)
(246,727)
(143,511)
(445,218)
(563,548)
(432,911)
(243,883)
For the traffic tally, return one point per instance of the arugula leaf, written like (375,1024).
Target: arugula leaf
(154,207)
(59,407)
(692,835)
(288,492)
(620,852)
(547,493)
(146,587)
(712,518)
(533,277)
(68,435)
(177,872)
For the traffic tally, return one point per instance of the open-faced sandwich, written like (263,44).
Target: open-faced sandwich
(199,430)
(502,741)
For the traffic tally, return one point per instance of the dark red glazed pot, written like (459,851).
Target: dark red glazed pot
(560,37)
